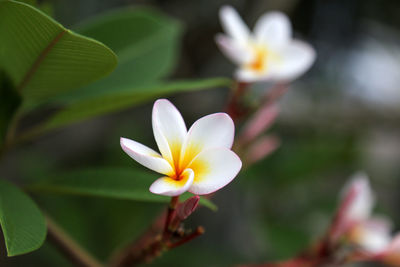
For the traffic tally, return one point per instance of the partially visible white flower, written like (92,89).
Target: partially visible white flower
(369,234)
(269,53)
(357,199)
(373,236)
(199,160)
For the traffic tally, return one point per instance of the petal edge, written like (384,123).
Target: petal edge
(167,186)
(214,169)
(145,156)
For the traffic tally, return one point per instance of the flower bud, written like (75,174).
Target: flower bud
(185,209)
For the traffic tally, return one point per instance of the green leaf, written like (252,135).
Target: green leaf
(117,183)
(42,58)
(146,42)
(100,105)
(23,224)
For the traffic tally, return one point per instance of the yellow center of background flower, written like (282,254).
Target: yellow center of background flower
(259,63)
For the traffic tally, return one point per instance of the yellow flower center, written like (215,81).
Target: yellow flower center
(263,56)
(175,148)
(180,162)
(356,234)
(259,64)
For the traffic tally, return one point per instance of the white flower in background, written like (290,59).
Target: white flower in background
(370,234)
(357,200)
(373,236)
(269,53)
(199,160)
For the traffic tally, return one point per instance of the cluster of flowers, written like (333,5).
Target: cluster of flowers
(200,160)
(356,234)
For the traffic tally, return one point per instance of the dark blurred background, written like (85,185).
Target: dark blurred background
(340,117)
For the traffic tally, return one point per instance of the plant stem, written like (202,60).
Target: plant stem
(67,246)
(136,252)
(168,219)
(151,244)
(199,231)
(234,108)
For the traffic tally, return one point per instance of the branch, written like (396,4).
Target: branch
(164,234)
(64,243)
(151,244)
(136,252)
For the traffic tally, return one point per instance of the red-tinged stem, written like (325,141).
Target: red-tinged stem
(297,262)
(198,232)
(151,244)
(140,251)
(234,107)
(170,215)
(319,255)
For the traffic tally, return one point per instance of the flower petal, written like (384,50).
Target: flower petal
(233,24)
(239,53)
(146,156)
(374,235)
(169,187)
(357,199)
(248,75)
(169,129)
(211,131)
(273,29)
(213,169)
(294,60)
(261,147)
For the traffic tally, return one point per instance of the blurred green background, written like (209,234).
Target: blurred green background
(341,117)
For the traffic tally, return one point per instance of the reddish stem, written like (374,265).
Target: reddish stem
(151,244)
(234,107)
(140,250)
(170,215)
(199,231)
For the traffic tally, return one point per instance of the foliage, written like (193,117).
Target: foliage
(43,64)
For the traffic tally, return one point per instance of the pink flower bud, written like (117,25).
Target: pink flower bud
(185,209)
(261,148)
(260,122)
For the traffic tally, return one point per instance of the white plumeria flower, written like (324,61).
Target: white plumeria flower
(357,199)
(199,160)
(269,53)
(372,236)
